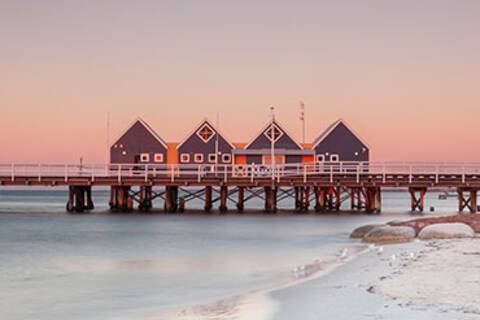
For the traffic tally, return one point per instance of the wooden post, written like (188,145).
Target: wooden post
(322,197)
(473,201)
(169,199)
(306,198)
(352,198)
(316,192)
(121,198)
(181,204)
(241,199)
(223,198)
(141,199)
(331,191)
(338,199)
(298,203)
(113,198)
(88,193)
(368,200)
(208,198)
(268,199)
(359,199)
(417,204)
(148,198)
(468,201)
(274,199)
(378,200)
(70,202)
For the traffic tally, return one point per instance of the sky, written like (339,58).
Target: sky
(404,74)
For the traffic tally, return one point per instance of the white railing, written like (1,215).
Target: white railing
(440,170)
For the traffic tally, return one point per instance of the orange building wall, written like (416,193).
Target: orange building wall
(308,159)
(172,153)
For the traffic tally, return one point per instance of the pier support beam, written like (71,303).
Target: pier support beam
(270,199)
(120,199)
(417,202)
(298,198)
(373,199)
(306,199)
(356,199)
(208,199)
(79,199)
(467,199)
(316,193)
(241,199)
(171,199)
(145,198)
(223,199)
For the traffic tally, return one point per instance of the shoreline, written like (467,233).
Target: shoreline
(257,303)
(389,285)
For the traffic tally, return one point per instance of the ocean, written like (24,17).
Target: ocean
(55,265)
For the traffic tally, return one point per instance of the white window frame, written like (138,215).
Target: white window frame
(144,157)
(201,158)
(320,158)
(184,158)
(229,158)
(212,158)
(158,157)
(334,158)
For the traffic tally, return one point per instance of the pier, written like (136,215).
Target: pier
(319,187)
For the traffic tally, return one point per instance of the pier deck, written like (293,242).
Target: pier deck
(324,183)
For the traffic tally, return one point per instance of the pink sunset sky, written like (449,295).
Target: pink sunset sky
(404,74)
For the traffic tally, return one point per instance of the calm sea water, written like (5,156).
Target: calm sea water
(59,266)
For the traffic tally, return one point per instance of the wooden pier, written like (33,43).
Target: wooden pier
(320,186)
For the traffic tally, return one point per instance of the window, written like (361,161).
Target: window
(334,158)
(158,157)
(277,133)
(144,157)
(226,158)
(184,157)
(212,158)
(356,153)
(124,153)
(205,133)
(198,158)
(320,157)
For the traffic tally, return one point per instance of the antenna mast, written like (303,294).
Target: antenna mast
(302,119)
(107,158)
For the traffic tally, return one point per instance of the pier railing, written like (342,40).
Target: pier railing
(438,170)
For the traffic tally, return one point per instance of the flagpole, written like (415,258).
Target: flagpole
(302,119)
(272,135)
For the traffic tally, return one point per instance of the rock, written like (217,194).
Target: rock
(475,225)
(389,234)
(446,231)
(360,232)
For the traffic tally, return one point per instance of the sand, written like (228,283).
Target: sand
(420,280)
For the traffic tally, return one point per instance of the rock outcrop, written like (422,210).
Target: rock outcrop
(446,231)
(362,231)
(389,234)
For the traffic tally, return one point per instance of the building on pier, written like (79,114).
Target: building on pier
(259,149)
(338,143)
(205,145)
(139,143)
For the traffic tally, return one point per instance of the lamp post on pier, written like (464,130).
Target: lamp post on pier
(272,140)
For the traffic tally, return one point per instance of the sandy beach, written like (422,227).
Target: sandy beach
(418,280)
